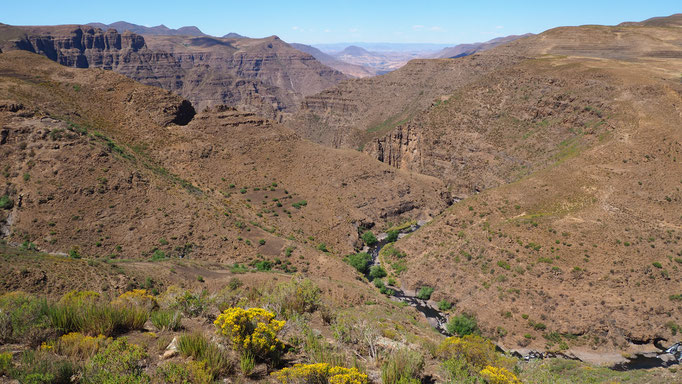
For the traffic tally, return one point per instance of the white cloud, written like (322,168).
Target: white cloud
(499,27)
(296,28)
(327,30)
(417,27)
(437,28)
(353,30)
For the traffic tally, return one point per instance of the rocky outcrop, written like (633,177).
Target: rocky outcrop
(401,148)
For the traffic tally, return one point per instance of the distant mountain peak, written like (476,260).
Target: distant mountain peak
(354,50)
(233,35)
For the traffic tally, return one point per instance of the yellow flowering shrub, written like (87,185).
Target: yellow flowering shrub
(76,344)
(251,330)
(476,351)
(136,298)
(79,297)
(321,373)
(495,375)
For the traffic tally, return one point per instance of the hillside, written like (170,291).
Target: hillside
(357,111)
(89,178)
(575,152)
(266,76)
(462,50)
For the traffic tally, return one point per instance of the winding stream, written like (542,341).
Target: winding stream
(435,317)
(438,320)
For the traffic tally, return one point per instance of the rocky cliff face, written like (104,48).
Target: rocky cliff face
(81,47)
(265,76)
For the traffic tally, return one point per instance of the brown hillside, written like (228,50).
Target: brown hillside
(94,161)
(582,235)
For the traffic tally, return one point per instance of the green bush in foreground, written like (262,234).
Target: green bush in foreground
(37,367)
(120,362)
(23,317)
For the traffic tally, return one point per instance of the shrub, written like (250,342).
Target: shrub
(296,296)
(425,293)
(457,371)
(319,351)
(462,325)
(322,247)
(192,304)
(377,272)
(216,360)
(166,320)
(81,312)
(392,236)
(263,265)
(402,366)
(321,373)
(444,305)
(78,345)
(369,238)
(504,265)
(234,283)
(158,255)
(261,241)
(657,264)
(192,345)
(675,297)
(6,202)
(183,373)
(254,330)
(23,318)
(494,375)
(359,261)
(137,298)
(37,367)
(476,352)
(5,363)
(119,362)
(238,268)
(539,326)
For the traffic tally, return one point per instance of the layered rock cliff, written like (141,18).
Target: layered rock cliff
(266,76)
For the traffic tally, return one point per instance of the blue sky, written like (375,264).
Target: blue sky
(314,22)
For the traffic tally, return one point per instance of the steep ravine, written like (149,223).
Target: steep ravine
(438,320)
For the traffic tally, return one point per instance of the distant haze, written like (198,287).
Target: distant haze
(383,47)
